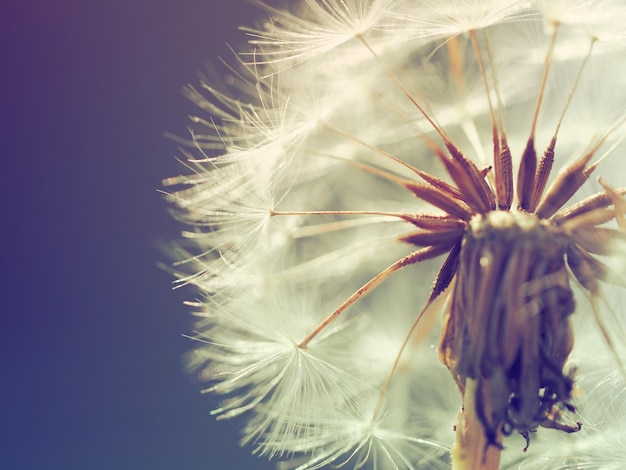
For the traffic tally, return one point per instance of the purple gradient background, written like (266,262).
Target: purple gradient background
(90,333)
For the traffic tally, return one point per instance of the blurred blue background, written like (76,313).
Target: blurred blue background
(90,335)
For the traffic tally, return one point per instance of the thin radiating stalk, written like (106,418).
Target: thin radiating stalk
(412,258)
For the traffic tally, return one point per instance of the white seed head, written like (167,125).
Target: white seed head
(385,184)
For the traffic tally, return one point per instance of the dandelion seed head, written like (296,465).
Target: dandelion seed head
(392,210)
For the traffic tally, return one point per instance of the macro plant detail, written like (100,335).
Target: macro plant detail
(387,193)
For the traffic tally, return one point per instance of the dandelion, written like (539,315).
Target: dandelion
(402,257)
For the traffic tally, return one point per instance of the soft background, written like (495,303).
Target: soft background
(90,333)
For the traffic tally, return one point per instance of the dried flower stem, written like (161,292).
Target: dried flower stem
(471,451)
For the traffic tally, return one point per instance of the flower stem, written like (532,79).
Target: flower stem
(471,450)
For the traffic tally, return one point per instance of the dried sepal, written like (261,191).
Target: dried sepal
(507,326)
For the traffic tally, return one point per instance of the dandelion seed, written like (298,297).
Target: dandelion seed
(401,191)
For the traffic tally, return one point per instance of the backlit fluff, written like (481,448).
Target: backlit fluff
(311,174)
